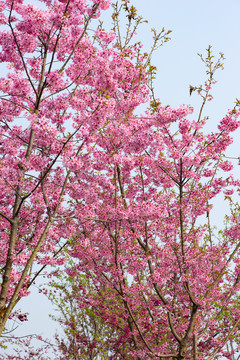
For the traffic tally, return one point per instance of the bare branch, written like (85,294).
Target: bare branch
(177,337)
(6,218)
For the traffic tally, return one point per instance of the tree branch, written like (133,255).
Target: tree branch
(6,218)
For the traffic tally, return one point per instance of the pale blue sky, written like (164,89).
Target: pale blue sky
(195,25)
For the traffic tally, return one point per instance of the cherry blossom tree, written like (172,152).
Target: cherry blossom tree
(129,197)
(65,83)
(163,278)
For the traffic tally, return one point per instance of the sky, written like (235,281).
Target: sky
(195,25)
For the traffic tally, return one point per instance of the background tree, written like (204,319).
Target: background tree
(80,324)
